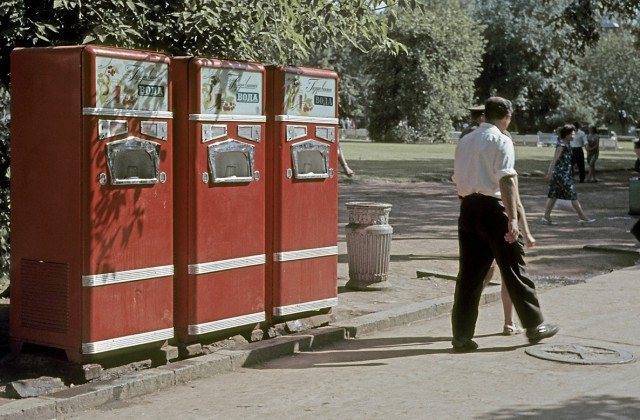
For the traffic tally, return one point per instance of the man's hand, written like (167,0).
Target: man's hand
(513,231)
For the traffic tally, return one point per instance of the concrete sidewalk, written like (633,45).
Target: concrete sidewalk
(601,310)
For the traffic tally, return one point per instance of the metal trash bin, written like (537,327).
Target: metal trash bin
(634,195)
(368,245)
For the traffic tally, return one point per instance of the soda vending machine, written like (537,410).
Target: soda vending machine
(302,198)
(220,195)
(92,200)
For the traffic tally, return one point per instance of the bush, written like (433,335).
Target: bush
(399,134)
(4,182)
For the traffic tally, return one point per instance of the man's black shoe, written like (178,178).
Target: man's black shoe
(463,344)
(541,332)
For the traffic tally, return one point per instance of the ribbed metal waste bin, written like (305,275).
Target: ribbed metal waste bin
(368,245)
(634,195)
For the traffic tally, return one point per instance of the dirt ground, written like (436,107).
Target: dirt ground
(424,217)
(429,210)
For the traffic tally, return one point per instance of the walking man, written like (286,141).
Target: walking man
(492,225)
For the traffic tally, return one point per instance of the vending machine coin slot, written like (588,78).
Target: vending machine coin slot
(213,132)
(155,129)
(295,132)
(250,132)
(326,133)
(112,128)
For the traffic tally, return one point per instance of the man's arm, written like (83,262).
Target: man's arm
(515,211)
(529,240)
(509,194)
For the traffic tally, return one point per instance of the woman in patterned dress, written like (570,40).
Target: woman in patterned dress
(560,175)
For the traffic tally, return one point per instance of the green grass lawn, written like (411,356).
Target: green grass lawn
(393,162)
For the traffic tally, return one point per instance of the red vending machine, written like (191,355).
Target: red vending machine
(219,195)
(302,198)
(92,200)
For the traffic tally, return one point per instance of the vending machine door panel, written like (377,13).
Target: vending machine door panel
(129,224)
(238,287)
(221,219)
(141,312)
(302,201)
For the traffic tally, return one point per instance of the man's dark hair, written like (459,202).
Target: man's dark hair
(496,108)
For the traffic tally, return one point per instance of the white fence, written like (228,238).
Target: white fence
(354,133)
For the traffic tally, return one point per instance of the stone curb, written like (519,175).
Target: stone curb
(136,384)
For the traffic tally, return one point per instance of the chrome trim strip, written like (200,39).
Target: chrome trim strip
(305,307)
(304,254)
(127,341)
(113,112)
(229,264)
(216,117)
(299,119)
(225,324)
(104,279)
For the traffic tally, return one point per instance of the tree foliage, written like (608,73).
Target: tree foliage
(272,31)
(524,53)
(533,49)
(611,73)
(581,19)
(275,31)
(4,184)
(415,95)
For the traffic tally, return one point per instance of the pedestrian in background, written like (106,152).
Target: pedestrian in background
(636,148)
(578,143)
(560,176)
(593,152)
(477,118)
(343,163)
(492,225)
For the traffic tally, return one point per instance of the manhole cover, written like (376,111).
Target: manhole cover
(580,354)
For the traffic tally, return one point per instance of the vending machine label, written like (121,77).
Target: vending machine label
(131,84)
(310,96)
(230,92)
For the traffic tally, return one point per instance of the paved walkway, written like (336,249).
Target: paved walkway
(602,309)
(600,312)
(408,371)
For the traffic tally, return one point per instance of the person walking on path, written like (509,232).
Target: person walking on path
(636,149)
(510,327)
(477,118)
(578,143)
(593,152)
(489,227)
(343,163)
(560,175)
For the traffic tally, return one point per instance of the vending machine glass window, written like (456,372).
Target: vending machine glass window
(310,160)
(133,161)
(231,161)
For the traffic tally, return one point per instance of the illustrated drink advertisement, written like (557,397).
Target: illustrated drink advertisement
(230,92)
(310,96)
(131,84)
